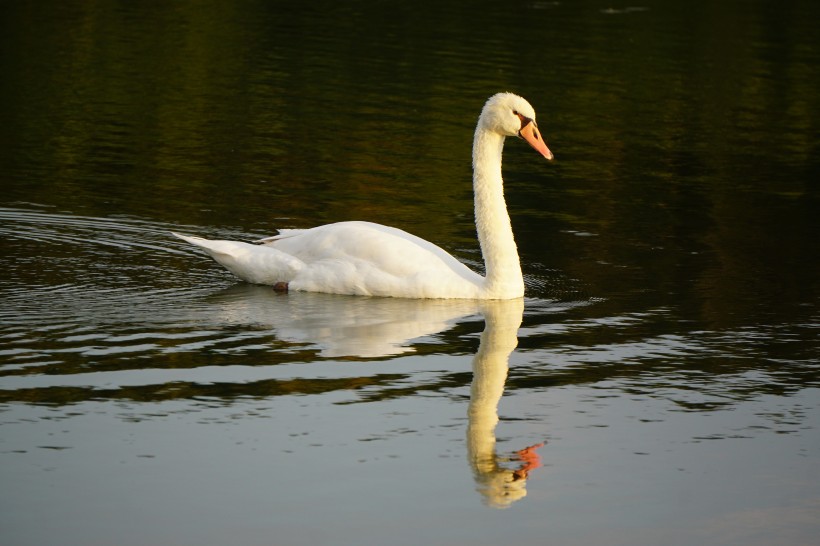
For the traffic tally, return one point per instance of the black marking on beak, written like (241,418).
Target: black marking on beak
(524,121)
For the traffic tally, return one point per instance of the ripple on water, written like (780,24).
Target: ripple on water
(114,307)
(83,292)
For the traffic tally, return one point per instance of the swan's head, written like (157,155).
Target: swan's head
(511,115)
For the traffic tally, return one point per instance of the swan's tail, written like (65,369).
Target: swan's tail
(258,264)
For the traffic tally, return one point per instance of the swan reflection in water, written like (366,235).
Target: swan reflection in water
(501,485)
(342,326)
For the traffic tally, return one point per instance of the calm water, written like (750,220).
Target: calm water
(660,383)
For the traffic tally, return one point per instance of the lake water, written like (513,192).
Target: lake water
(659,384)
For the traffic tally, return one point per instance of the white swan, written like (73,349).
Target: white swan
(363,258)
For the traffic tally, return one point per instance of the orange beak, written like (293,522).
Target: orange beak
(529,132)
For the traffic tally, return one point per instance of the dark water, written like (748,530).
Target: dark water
(667,355)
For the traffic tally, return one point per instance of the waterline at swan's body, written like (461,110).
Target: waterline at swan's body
(363,258)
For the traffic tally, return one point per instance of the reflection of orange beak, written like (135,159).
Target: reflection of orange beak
(529,132)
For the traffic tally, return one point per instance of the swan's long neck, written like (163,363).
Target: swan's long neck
(504,279)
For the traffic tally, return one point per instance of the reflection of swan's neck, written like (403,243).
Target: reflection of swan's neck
(503,269)
(490,367)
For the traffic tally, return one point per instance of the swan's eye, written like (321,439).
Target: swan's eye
(515,112)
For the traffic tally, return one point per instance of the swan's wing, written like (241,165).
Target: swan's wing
(259,264)
(367,258)
(393,250)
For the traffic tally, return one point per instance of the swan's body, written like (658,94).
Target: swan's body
(363,258)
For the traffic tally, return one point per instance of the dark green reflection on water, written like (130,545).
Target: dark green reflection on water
(685,137)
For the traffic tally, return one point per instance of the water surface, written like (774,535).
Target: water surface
(658,383)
